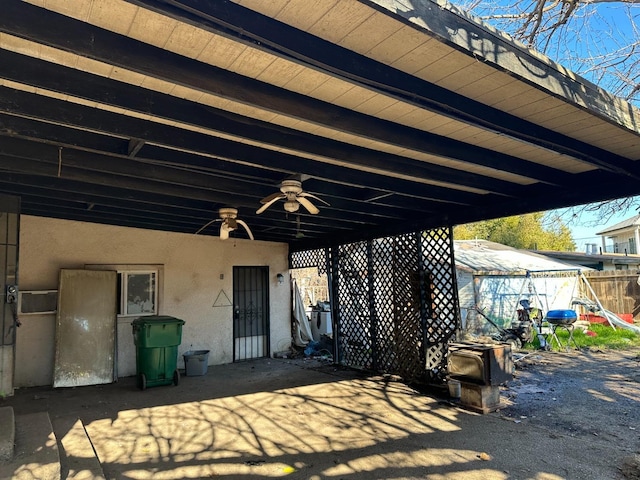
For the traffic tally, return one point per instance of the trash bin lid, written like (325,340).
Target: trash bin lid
(156,319)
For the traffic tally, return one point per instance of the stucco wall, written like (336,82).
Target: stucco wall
(191,281)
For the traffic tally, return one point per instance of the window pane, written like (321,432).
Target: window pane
(141,293)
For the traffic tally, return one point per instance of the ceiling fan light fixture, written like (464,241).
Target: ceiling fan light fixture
(224,231)
(293,195)
(230,221)
(291,206)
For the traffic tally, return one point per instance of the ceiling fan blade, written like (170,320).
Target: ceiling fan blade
(310,195)
(224,231)
(269,203)
(206,225)
(308,205)
(246,227)
(276,196)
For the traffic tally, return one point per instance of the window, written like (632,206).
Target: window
(139,287)
(138,293)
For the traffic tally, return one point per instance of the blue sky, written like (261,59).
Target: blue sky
(594,30)
(583,235)
(601,27)
(585,228)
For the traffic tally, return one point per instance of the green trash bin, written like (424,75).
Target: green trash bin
(157,338)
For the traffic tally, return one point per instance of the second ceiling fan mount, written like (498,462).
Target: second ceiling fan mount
(230,221)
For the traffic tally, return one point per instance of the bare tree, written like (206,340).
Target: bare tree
(598,39)
(594,214)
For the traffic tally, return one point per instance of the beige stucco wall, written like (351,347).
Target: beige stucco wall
(190,284)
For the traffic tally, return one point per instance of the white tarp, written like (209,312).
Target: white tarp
(301,328)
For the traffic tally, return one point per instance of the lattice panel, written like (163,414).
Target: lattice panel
(353,310)
(443,317)
(395,302)
(379,315)
(383,301)
(407,324)
(309,258)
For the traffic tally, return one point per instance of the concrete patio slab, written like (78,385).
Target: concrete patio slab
(299,419)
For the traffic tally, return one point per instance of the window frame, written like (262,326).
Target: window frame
(123,293)
(121,268)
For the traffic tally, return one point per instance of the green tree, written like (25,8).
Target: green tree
(533,231)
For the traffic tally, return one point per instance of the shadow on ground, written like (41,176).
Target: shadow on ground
(305,419)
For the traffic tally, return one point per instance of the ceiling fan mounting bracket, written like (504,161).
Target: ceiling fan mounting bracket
(291,187)
(228,212)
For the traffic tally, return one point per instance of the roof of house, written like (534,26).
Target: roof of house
(629,222)
(490,257)
(402,115)
(584,258)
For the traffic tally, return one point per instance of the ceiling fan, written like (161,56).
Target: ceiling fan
(293,195)
(230,222)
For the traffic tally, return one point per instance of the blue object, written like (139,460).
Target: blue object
(561,317)
(562,314)
(312,348)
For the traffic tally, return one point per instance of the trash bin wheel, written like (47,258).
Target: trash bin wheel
(142,381)
(176,377)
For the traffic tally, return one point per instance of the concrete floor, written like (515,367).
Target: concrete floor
(302,419)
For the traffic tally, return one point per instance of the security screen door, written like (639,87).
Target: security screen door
(250,312)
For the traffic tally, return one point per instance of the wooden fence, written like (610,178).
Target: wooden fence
(617,290)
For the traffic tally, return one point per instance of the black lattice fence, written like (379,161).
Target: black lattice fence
(443,316)
(394,302)
(309,258)
(352,305)
(397,298)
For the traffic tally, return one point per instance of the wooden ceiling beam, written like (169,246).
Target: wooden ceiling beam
(38,173)
(79,37)
(41,74)
(24,156)
(178,143)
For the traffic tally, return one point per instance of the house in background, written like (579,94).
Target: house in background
(596,261)
(619,249)
(623,237)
